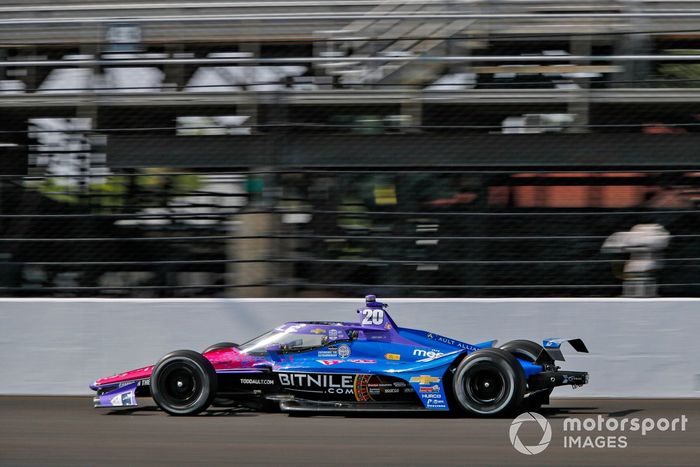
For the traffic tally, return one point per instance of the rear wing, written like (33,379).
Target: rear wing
(552,347)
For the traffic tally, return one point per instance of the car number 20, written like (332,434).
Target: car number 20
(372,317)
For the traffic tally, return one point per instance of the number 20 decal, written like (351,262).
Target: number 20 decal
(372,317)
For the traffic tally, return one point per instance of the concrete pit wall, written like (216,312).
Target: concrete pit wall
(639,347)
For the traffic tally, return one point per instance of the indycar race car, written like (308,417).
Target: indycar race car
(334,366)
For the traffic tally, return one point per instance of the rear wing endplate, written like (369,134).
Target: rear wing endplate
(552,347)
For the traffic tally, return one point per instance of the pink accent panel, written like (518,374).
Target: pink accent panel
(132,375)
(232,358)
(222,359)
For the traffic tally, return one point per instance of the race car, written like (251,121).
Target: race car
(338,366)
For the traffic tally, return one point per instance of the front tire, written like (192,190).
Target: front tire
(489,383)
(220,345)
(183,383)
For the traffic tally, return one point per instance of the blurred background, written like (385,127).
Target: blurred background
(323,149)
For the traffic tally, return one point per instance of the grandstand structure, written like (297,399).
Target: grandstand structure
(287,147)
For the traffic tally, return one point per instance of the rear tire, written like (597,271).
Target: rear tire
(183,383)
(526,350)
(529,351)
(489,383)
(220,345)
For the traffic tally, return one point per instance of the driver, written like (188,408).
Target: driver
(371,302)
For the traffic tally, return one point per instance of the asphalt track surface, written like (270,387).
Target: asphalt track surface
(68,431)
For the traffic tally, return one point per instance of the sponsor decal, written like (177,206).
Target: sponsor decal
(436,404)
(430,391)
(329,383)
(399,384)
(433,353)
(332,351)
(256,381)
(435,388)
(344,351)
(455,343)
(424,380)
(318,331)
(333,333)
(361,388)
(377,337)
(141,382)
(392,356)
(116,401)
(448,341)
(391,391)
(354,360)
(123,399)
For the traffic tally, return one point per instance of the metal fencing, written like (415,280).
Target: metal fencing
(336,232)
(302,148)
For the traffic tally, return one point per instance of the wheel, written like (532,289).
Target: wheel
(218,402)
(526,350)
(183,383)
(529,351)
(220,345)
(489,382)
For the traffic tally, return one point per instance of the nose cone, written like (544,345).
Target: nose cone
(133,375)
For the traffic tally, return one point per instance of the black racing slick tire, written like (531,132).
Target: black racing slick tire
(220,345)
(220,402)
(183,383)
(488,383)
(526,350)
(530,351)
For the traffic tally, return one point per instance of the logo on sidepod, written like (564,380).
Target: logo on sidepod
(343,351)
(530,419)
(427,353)
(424,380)
(328,383)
